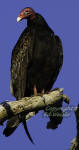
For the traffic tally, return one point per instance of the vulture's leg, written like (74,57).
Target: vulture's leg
(39,94)
(35,90)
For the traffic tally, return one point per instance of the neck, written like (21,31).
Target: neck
(31,21)
(32,17)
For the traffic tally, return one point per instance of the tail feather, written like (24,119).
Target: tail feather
(11,126)
(8,131)
(26,130)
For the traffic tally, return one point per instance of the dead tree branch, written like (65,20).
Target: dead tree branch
(75,141)
(30,105)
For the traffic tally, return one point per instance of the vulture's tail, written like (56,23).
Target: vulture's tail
(12,124)
(26,130)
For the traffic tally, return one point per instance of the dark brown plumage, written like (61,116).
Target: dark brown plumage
(36,59)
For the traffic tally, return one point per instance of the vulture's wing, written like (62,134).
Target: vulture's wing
(21,57)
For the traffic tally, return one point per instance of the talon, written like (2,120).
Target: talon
(43,91)
(43,98)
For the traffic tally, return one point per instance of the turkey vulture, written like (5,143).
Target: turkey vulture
(36,61)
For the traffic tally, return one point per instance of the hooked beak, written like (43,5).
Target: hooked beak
(19,19)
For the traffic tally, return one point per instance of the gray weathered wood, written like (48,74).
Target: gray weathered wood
(30,105)
(75,141)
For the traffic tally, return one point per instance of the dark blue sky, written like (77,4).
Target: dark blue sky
(63,18)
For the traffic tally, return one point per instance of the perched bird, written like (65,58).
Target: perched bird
(35,63)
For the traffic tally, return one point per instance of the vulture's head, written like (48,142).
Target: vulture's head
(26,13)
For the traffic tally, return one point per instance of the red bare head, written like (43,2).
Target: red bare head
(26,13)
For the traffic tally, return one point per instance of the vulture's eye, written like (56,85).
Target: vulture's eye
(25,12)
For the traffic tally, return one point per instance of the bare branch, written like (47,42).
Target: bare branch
(75,141)
(30,105)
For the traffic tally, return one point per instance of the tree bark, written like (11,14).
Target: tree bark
(75,141)
(30,104)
